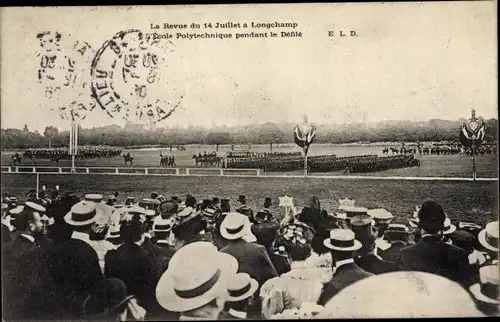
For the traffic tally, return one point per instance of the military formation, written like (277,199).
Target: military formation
(382,164)
(244,155)
(326,163)
(84,152)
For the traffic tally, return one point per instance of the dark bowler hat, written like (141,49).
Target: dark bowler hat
(190,201)
(431,214)
(154,195)
(81,214)
(224,202)
(215,200)
(242,198)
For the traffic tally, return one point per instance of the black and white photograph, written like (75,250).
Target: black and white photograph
(249,161)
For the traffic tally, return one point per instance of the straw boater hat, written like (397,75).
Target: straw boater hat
(449,228)
(234,226)
(113,232)
(487,290)
(240,287)
(381,216)
(95,197)
(34,207)
(488,237)
(81,214)
(197,274)
(342,240)
(402,295)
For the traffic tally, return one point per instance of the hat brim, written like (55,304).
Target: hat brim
(170,301)
(476,291)
(357,245)
(481,237)
(224,233)
(70,221)
(254,285)
(451,229)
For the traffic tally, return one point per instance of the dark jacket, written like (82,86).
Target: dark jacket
(14,249)
(253,260)
(134,266)
(392,254)
(373,264)
(432,255)
(344,276)
(52,282)
(5,234)
(265,231)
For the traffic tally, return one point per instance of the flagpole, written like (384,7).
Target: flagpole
(305,163)
(473,159)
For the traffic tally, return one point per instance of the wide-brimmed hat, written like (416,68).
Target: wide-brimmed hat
(234,226)
(95,197)
(488,237)
(162,225)
(487,290)
(342,240)
(449,228)
(113,232)
(401,295)
(34,207)
(241,286)
(146,203)
(380,216)
(81,214)
(197,274)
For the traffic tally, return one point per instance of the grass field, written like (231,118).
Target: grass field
(430,166)
(399,197)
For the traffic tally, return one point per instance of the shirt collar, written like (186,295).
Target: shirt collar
(29,237)
(237,314)
(344,262)
(81,236)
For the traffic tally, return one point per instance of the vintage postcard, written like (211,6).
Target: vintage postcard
(250,161)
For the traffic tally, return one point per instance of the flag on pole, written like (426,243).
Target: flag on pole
(304,134)
(472,130)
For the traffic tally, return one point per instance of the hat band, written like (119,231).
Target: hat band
(240,292)
(342,243)
(491,240)
(235,230)
(83,217)
(490,290)
(162,227)
(93,200)
(200,290)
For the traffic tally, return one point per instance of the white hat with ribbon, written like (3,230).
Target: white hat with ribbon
(197,274)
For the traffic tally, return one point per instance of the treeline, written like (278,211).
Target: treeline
(268,133)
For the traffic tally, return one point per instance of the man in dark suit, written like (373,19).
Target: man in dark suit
(342,245)
(29,225)
(366,257)
(132,264)
(253,259)
(431,254)
(243,208)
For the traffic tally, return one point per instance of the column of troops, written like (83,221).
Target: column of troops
(84,152)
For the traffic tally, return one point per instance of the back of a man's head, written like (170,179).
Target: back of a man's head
(431,217)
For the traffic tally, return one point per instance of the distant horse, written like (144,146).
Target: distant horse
(16,158)
(385,150)
(394,150)
(129,159)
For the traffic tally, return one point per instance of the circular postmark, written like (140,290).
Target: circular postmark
(63,73)
(127,76)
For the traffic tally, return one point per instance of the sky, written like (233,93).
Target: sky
(409,61)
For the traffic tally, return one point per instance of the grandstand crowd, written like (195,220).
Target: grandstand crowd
(171,258)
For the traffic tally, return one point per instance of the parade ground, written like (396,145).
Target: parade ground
(456,166)
(399,197)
